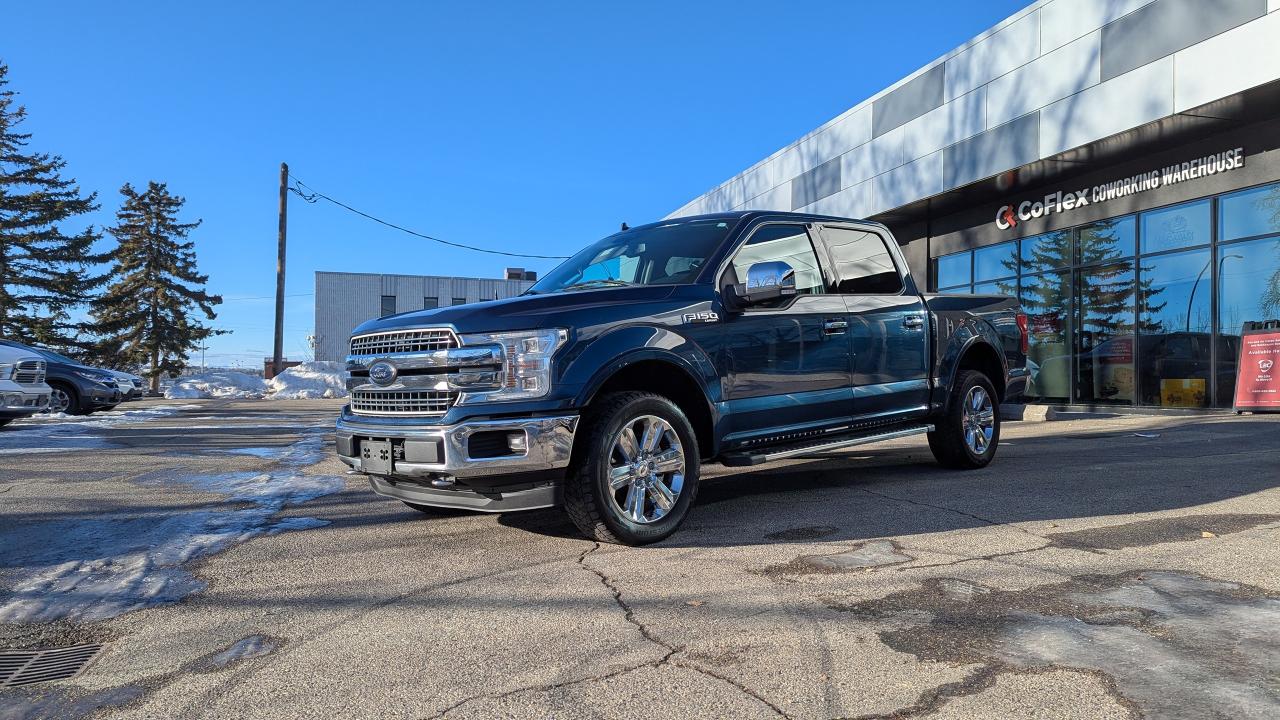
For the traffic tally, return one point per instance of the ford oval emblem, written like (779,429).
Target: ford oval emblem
(382,373)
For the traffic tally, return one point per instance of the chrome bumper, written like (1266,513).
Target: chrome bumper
(23,401)
(443,451)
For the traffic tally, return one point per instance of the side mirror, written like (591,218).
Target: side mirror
(766,281)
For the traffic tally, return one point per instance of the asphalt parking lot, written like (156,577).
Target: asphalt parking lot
(227,565)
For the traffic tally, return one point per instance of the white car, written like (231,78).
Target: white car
(131,386)
(23,391)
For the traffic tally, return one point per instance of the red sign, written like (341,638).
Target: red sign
(1258,374)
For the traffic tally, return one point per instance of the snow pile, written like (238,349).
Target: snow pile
(226,384)
(106,564)
(317,379)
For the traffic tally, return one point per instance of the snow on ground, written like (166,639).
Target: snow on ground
(318,379)
(102,566)
(59,432)
(223,384)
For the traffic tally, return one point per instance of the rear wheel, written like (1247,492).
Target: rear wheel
(634,474)
(967,435)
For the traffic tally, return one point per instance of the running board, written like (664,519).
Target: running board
(745,458)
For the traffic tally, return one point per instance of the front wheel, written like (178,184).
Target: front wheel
(635,470)
(966,436)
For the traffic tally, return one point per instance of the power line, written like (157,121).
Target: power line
(312,195)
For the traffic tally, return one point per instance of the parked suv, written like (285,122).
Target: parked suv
(132,387)
(23,391)
(739,337)
(75,388)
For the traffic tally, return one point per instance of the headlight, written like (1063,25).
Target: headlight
(93,377)
(6,371)
(526,365)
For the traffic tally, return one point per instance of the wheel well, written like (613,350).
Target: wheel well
(983,358)
(675,384)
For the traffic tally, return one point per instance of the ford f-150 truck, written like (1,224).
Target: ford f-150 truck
(740,338)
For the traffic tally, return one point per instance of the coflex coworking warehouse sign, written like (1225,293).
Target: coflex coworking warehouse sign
(1008,216)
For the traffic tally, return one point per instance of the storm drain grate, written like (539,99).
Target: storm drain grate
(25,667)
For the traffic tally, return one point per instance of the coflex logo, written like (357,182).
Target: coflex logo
(1266,364)
(1007,217)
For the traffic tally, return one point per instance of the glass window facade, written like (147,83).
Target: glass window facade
(1141,309)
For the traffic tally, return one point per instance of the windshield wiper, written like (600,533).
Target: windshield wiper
(606,282)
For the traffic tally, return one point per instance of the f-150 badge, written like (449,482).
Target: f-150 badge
(706,316)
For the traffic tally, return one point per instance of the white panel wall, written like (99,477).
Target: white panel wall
(1233,61)
(1011,47)
(853,201)
(1065,71)
(964,117)
(1044,60)
(1065,20)
(1123,102)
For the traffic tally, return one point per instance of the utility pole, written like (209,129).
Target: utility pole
(277,359)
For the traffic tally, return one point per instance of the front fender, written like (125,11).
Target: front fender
(607,354)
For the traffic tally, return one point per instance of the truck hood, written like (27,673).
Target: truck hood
(529,312)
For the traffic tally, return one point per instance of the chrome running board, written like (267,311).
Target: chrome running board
(745,458)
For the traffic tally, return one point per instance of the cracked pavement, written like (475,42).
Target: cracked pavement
(1089,572)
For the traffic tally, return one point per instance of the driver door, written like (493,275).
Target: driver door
(787,366)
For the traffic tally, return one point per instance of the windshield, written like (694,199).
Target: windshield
(666,254)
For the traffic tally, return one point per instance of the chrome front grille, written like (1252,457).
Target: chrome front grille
(29,372)
(403,341)
(401,402)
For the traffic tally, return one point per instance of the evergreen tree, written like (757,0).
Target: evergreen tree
(147,316)
(44,273)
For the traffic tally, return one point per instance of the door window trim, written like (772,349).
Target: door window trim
(807,227)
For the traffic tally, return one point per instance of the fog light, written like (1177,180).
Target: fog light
(14,400)
(518,443)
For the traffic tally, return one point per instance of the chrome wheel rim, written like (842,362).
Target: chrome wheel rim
(646,469)
(979,420)
(59,401)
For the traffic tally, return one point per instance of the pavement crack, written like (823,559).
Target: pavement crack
(628,612)
(733,683)
(944,508)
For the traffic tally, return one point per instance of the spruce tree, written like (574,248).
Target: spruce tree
(147,316)
(44,272)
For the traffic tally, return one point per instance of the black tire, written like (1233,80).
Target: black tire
(949,441)
(589,501)
(73,404)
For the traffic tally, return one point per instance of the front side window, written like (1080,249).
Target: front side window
(786,243)
(664,254)
(863,265)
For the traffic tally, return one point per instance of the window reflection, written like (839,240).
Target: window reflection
(1106,339)
(1049,251)
(1175,313)
(997,261)
(953,270)
(1046,299)
(1106,240)
(1180,226)
(1249,213)
(1248,289)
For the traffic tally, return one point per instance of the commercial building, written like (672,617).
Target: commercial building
(344,300)
(1112,163)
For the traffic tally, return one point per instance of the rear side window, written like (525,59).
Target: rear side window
(863,264)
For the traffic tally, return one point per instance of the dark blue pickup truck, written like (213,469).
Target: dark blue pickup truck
(739,338)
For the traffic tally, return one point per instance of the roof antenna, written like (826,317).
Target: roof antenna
(626,226)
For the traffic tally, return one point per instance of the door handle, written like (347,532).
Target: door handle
(913,322)
(834,327)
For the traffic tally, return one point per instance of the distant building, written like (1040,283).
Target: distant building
(344,300)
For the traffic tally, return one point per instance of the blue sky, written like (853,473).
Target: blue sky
(534,127)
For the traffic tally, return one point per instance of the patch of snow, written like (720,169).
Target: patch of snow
(317,379)
(100,567)
(221,384)
(59,433)
(307,451)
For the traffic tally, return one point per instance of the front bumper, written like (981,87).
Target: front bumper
(446,451)
(19,403)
